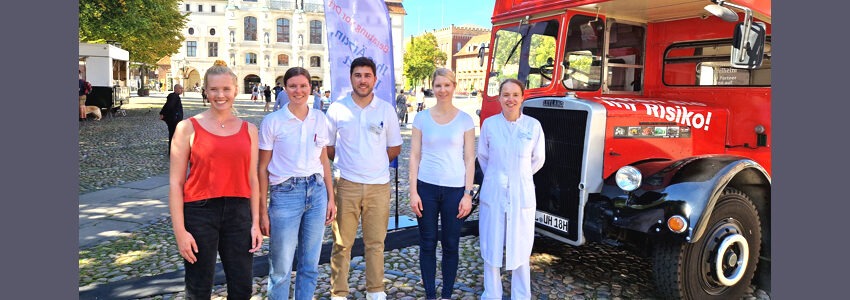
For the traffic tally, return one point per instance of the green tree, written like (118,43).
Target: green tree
(148,29)
(421,56)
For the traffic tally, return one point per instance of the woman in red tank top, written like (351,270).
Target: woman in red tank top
(215,209)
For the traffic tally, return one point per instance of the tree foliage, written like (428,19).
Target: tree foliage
(507,52)
(148,29)
(421,56)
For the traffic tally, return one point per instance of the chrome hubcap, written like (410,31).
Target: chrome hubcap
(731,260)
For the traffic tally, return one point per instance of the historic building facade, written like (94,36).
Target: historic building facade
(261,39)
(452,39)
(470,72)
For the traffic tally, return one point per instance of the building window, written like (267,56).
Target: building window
(250,58)
(315,32)
(191,31)
(315,61)
(191,48)
(250,28)
(213,49)
(187,8)
(283,60)
(282,30)
(212,31)
(458,46)
(212,8)
(200,8)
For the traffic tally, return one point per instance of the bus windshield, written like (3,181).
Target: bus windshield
(525,52)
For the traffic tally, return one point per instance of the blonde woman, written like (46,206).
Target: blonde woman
(442,165)
(215,209)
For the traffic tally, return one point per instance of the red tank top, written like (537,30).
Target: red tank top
(218,165)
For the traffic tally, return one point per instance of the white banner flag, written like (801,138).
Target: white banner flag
(359,28)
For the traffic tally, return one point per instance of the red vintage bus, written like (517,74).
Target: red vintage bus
(657,122)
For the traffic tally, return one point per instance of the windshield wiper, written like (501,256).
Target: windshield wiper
(521,37)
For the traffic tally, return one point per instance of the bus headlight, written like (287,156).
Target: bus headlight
(628,178)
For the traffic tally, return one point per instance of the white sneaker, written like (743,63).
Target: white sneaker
(337,298)
(376,296)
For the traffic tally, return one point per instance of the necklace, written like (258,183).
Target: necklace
(221,123)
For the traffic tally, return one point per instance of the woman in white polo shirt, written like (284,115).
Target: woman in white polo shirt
(294,167)
(442,163)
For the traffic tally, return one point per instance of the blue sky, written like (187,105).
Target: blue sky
(425,15)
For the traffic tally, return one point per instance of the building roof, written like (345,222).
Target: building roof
(164,61)
(395,8)
(471,47)
(473,26)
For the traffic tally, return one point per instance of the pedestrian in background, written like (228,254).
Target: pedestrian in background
(442,166)
(204,95)
(172,112)
(85,89)
(215,209)
(294,163)
(401,107)
(510,150)
(277,90)
(267,95)
(326,101)
(364,128)
(317,99)
(280,100)
(420,100)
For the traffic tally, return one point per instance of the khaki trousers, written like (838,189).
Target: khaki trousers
(356,201)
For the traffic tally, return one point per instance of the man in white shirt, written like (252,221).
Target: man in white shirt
(364,130)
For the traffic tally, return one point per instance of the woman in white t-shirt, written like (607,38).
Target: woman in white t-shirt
(442,163)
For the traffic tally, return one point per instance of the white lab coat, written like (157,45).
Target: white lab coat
(509,154)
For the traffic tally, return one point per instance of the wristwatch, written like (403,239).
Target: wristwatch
(469,192)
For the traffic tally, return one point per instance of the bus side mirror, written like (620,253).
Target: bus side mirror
(481,55)
(748,46)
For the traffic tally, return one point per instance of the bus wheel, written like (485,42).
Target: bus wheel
(720,265)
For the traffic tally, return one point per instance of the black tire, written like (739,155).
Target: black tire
(688,270)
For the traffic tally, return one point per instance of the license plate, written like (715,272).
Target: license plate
(552,221)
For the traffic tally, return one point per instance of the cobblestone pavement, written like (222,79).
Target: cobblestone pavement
(132,147)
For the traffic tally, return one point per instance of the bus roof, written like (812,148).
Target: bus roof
(638,11)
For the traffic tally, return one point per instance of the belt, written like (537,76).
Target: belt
(296,179)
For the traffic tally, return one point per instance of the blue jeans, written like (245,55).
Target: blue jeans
(297,212)
(220,225)
(439,202)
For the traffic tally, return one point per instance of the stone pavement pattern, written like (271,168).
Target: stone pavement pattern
(125,231)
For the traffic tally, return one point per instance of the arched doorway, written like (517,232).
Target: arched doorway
(279,80)
(194,78)
(316,82)
(250,81)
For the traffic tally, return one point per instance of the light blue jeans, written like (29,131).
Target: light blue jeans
(297,212)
